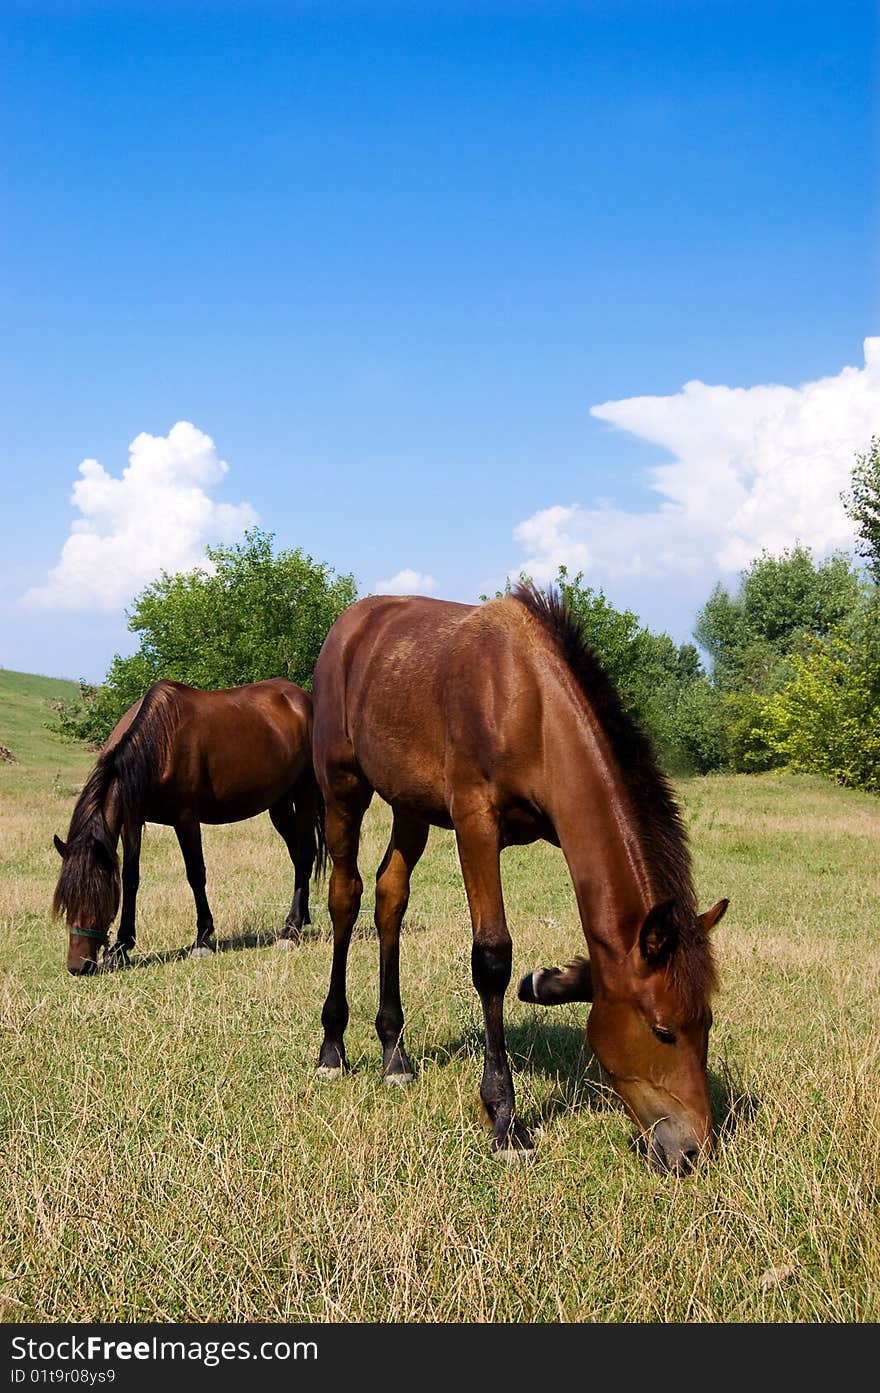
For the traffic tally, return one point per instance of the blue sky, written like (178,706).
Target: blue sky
(389,257)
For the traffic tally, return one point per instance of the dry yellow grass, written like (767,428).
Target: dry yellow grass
(168,1155)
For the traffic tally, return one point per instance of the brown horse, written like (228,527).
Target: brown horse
(498,722)
(182,756)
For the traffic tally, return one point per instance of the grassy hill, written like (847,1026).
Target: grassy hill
(25,708)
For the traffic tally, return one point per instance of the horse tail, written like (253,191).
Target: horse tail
(322,859)
(88,887)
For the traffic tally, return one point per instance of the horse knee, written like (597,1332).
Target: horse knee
(391,902)
(491,965)
(344,898)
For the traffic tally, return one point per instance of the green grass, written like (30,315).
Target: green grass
(167,1154)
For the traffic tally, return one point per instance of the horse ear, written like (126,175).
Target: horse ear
(60,846)
(658,935)
(709,918)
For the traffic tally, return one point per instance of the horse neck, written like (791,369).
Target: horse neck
(112,811)
(593,819)
(99,805)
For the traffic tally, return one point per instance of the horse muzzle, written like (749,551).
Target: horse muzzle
(672,1137)
(82,967)
(672,1148)
(82,950)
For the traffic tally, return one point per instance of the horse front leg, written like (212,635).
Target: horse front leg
(479,851)
(553,986)
(189,836)
(117,955)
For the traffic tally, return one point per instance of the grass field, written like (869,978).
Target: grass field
(168,1155)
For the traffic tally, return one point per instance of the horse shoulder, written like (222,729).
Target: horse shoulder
(125,720)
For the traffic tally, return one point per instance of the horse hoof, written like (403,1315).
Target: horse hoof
(399,1080)
(201,951)
(285,943)
(515,1155)
(329,1073)
(528,987)
(515,1147)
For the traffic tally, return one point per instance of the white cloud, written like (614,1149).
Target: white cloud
(752,468)
(407,582)
(157,515)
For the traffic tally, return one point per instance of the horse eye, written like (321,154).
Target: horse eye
(663,1034)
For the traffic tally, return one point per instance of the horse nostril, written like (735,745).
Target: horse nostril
(674,1156)
(689,1157)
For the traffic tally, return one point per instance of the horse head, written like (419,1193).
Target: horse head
(87,893)
(649,1029)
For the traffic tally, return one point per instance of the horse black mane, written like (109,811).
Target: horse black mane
(653,805)
(88,886)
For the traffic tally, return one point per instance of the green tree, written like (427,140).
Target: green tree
(700,722)
(826,720)
(781,600)
(862,504)
(250,613)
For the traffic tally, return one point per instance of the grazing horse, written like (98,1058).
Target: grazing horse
(497,721)
(182,756)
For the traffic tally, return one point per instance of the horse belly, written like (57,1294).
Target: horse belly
(227,798)
(238,781)
(404,778)
(232,809)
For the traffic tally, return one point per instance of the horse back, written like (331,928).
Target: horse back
(234,751)
(427,699)
(125,720)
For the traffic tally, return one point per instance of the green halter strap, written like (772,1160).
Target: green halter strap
(90,933)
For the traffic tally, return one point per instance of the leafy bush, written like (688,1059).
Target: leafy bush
(748,751)
(700,727)
(827,719)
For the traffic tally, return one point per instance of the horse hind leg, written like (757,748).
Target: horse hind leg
(189,836)
(295,823)
(297,915)
(408,838)
(343,820)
